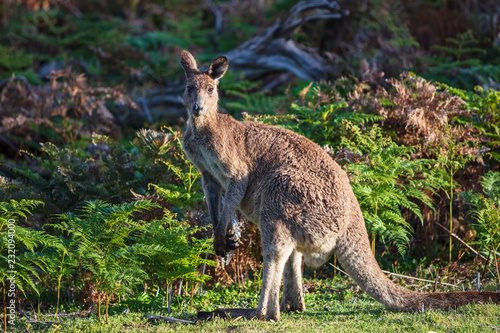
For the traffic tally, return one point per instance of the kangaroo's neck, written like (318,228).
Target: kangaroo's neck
(205,122)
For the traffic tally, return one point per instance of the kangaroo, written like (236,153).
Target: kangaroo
(295,193)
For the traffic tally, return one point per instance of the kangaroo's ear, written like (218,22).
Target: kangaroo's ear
(218,67)
(188,63)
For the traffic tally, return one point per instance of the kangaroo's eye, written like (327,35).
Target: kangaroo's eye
(189,89)
(210,90)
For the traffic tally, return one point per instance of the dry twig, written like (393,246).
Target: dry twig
(461,241)
(404,276)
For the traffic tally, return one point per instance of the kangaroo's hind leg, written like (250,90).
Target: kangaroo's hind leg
(277,247)
(293,294)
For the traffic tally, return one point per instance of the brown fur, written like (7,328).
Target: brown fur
(298,196)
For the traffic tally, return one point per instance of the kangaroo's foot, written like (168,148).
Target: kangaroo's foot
(292,305)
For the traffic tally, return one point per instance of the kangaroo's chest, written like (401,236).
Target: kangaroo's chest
(205,157)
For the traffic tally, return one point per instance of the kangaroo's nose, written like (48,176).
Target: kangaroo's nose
(197,108)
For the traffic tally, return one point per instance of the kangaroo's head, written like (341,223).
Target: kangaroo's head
(201,96)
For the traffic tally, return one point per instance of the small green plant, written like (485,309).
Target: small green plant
(16,62)
(450,159)
(64,262)
(178,252)
(460,63)
(183,189)
(486,105)
(461,49)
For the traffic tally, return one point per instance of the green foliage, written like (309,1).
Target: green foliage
(119,252)
(76,175)
(23,250)
(185,191)
(486,104)
(318,110)
(66,35)
(105,170)
(323,124)
(461,49)
(178,253)
(100,243)
(383,20)
(16,62)
(486,212)
(242,95)
(157,47)
(449,161)
(386,181)
(462,62)
(99,235)
(154,40)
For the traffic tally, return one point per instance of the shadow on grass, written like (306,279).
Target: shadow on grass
(327,313)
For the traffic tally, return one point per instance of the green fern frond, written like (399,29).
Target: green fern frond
(387,181)
(154,144)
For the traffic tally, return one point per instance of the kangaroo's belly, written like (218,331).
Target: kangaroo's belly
(251,204)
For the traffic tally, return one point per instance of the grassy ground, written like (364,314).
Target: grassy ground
(330,307)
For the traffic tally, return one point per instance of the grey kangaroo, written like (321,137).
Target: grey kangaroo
(295,193)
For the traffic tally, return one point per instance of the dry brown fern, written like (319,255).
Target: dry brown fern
(421,114)
(67,107)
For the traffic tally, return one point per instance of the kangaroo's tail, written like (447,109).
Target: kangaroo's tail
(457,299)
(354,253)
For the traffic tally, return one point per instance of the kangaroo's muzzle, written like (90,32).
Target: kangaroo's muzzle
(197,109)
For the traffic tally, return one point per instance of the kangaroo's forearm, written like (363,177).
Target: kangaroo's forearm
(232,198)
(212,193)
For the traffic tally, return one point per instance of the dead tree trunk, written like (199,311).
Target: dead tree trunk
(276,51)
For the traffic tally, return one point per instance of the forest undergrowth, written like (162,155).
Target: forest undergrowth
(106,215)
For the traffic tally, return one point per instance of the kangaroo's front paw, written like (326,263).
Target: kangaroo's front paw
(220,246)
(223,245)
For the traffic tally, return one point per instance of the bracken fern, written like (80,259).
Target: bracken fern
(386,181)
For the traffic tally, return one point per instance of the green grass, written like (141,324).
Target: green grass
(330,307)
